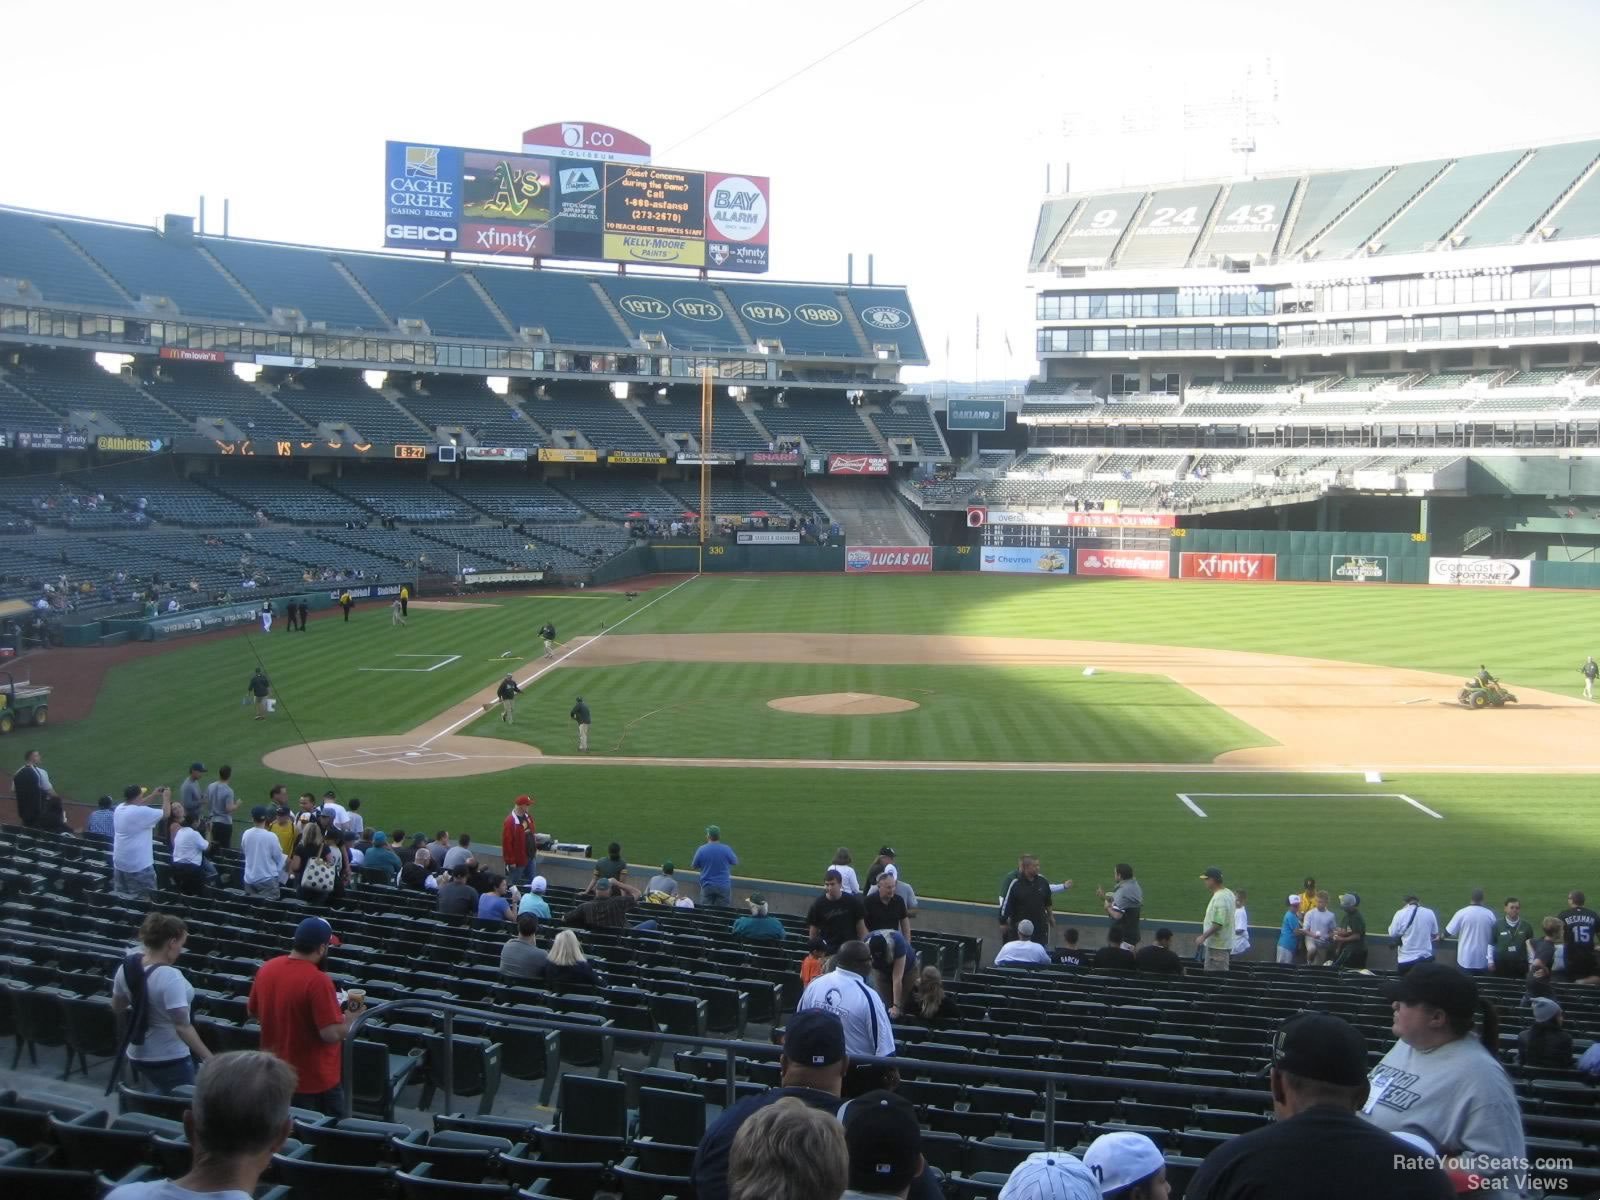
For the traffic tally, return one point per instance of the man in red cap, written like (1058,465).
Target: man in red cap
(517,845)
(302,1020)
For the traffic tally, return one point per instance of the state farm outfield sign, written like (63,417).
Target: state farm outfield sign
(1134,564)
(887,560)
(1480,572)
(1256,568)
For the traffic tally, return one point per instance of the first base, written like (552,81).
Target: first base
(1088,671)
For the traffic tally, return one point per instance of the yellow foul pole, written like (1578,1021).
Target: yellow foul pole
(705,459)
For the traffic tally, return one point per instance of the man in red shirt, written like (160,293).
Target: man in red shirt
(517,844)
(301,1019)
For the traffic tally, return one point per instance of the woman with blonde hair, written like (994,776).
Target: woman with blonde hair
(152,1000)
(847,873)
(566,963)
(932,1003)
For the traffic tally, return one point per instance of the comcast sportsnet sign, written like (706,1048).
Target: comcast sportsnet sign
(888,560)
(1252,568)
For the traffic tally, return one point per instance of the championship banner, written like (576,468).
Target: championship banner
(1081,520)
(887,560)
(635,458)
(1358,568)
(759,537)
(495,454)
(556,454)
(858,464)
(774,458)
(1258,568)
(1480,572)
(1135,564)
(1029,561)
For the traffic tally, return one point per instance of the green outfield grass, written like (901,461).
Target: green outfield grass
(957,832)
(979,714)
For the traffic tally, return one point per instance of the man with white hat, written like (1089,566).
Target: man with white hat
(1051,1175)
(1129,1166)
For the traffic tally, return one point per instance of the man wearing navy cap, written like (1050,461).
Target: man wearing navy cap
(1319,1083)
(885,1144)
(302,1020)
(813,1067)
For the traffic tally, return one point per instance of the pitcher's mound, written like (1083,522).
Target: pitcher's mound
(842,704)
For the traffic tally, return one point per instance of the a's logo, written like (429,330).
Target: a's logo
(422,162)
(1051,561)
(819,314)
(515,189)
(646,306)
(738,209)
(882,316)
(764,312)
(572,135)
(697,310)
(579,179)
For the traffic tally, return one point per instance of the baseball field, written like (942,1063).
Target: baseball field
(962,718)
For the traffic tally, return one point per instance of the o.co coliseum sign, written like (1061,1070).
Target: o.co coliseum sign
(1256,568)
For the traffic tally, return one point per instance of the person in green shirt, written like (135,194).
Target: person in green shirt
(1512,933)
(1350,939)
(1215,939)
(612,865)
(759,924)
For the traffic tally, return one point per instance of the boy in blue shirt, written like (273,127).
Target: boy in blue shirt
(1289,933)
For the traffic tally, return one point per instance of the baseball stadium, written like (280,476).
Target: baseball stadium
(1283,559)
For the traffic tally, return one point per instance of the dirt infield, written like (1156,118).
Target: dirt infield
(842,704)
(451,605)
(1324,715)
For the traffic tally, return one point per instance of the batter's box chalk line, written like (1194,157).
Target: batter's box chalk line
(1188,799)
(405,756)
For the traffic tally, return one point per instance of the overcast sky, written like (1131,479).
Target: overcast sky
(924,143)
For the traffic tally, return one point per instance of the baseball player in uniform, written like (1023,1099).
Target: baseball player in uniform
(1590,669)
(266,616)
(547,631)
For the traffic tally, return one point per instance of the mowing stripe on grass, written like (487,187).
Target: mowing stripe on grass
(472,716)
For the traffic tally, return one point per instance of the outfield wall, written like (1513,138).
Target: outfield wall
(1237,555)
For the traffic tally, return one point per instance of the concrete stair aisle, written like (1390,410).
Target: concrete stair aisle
(868,511)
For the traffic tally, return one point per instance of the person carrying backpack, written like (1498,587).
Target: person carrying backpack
(152,1001)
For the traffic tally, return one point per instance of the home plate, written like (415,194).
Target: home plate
(408,756)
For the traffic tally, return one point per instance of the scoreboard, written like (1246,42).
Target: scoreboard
(530,205)
(1018,536)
